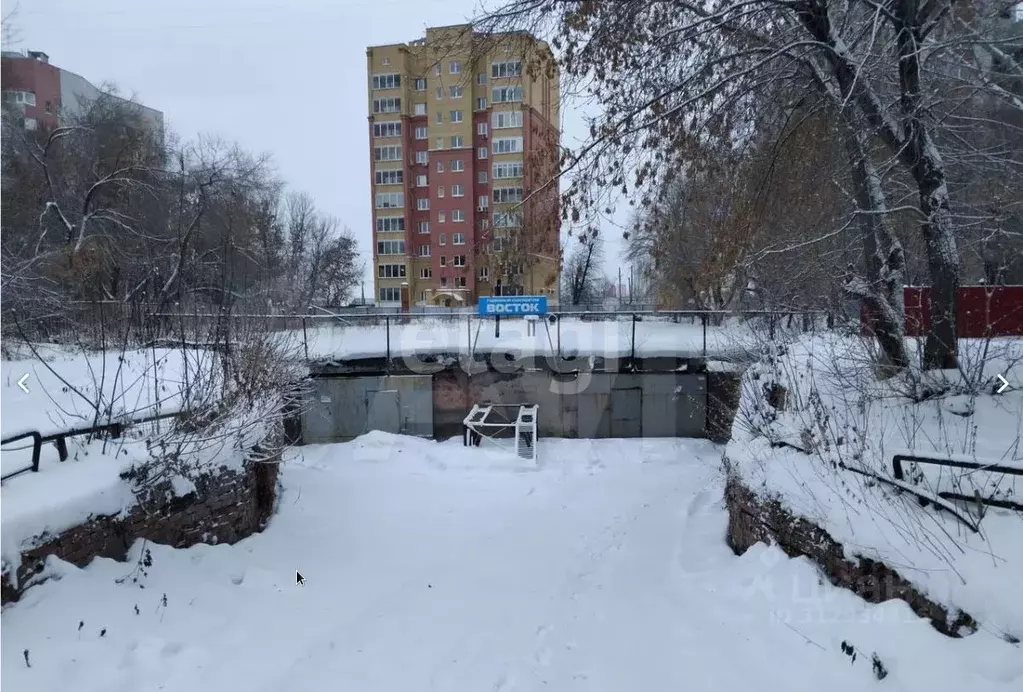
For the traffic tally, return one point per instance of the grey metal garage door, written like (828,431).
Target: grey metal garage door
(627,412)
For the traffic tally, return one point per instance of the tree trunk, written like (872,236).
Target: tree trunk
(883,256)
(928,170)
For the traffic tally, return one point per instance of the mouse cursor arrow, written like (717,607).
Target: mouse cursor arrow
(299,579)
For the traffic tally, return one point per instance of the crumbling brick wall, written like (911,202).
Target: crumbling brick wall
(225,507)
(752,520)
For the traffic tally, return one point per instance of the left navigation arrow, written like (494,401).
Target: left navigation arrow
(22,381)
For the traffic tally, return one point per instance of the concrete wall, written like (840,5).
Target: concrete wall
(589,405)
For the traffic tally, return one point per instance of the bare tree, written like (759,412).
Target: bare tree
(669,74)
(583,275)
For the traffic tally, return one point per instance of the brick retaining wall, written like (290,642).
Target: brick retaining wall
(225,507)
(752,520)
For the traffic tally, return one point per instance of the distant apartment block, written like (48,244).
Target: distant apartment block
(49,95)
(464,133)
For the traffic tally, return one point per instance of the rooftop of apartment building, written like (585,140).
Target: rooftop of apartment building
(74,89)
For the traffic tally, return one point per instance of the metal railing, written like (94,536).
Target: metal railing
(113,428)
(117,325)
(994,467)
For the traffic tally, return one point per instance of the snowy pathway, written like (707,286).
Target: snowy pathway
(433,567)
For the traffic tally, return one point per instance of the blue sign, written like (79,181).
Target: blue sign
(513,306)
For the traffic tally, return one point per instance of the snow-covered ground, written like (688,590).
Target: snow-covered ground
(837,410)
(432,566)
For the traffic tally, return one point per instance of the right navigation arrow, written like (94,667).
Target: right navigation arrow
(1005,384)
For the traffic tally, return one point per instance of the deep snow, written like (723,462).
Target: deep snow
(432,566)
(832,395)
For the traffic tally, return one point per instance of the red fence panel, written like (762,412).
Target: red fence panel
(983,311)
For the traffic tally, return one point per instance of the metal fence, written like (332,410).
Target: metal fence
(333,336)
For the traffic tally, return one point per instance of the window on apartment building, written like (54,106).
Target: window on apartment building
(481,103)
(385,61)
(390,224)
(439,91)
(392,129)
(422,157)
(508,169)
(507,220)
(482,130)
(443,261)
(458,190)
(442,239)
(440,118)
(387,81)
(426,273)
(484,224)
(507,145)
(455,67)
(388,105)
(391,200)
(420,109)
(390,294)
(391,271)
(420,83)
(458,260)
(443,281)
(26,98)
(502,243)
(423,204)
(390,247)
(481,78)
(389,177)
(422,181)
(482,153)
(506,94)
(424,250)
(458,165)
(458,215)
(456,92)
(482,178)
(507,195)
(505,119)
(424,226)
(484,273)
(440,166)
(439,144)
(506,68)
(458,239)
(440,190)
(436,69)
(422,132)
(460,282)
(392,153)
(457,141)
(441,218)
(484,202)
(456,116)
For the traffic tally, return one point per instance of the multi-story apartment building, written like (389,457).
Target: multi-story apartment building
(48,95)
(464,148)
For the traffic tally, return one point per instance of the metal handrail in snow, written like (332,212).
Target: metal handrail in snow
(993,467)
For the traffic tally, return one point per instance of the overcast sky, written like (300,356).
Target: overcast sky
(286,77)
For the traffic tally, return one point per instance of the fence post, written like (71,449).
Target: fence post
(633,337)
(305,339)
(387,326)
(703,319)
